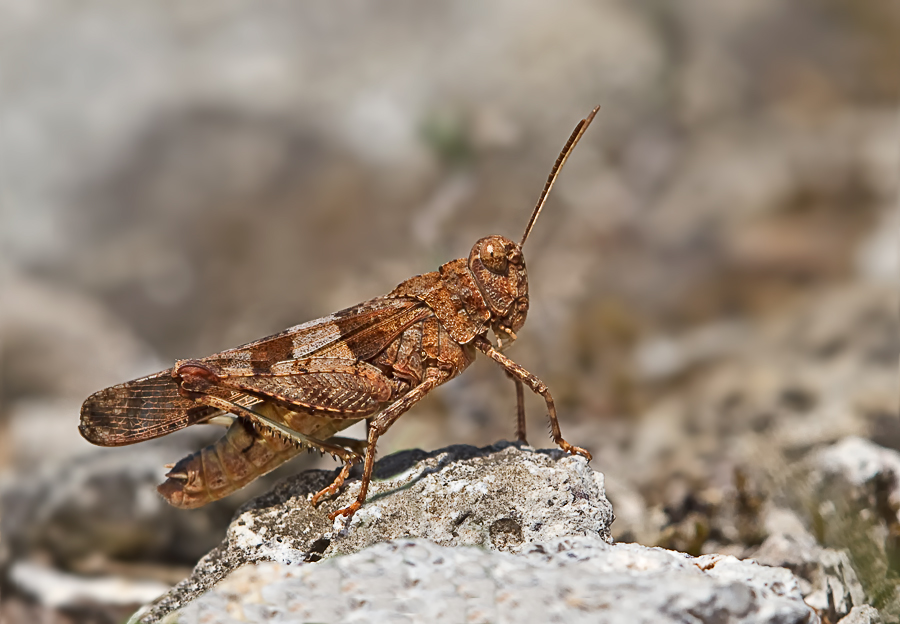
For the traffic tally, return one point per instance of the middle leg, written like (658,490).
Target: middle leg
(520,408)
(380,424)
(358,447)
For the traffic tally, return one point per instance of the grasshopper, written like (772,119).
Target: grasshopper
(296,389)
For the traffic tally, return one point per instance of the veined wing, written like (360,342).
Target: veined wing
(356,333)
(142,409)
(152,406)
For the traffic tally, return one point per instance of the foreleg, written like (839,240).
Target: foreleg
(537,386)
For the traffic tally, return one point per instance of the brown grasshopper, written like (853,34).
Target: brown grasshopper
(298,388)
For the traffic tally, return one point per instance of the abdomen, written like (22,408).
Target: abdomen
(240,456)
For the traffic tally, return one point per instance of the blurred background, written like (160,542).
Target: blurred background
(712,281)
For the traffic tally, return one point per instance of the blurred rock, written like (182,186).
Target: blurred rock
(635,520)
(862,615)
(878,258)
(827,580)
(778,438)
(856,481)
(659,357)
(498,498)
(860,463)
(21,610)
(103,507)
(854,503)
(571,579)
(55,589)
(808,378)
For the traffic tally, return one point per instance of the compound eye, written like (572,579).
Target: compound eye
(493,256)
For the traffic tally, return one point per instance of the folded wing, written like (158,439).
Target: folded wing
(151,406)
(138,410)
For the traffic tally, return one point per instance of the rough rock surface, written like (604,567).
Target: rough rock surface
(564,580)
(497,497)
(502,533)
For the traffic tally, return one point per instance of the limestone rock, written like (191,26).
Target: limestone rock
(574,579)
(497,498)
(462,534)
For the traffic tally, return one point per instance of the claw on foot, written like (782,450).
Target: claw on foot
(346,511)
(318,495)
(574,450)
(334,487)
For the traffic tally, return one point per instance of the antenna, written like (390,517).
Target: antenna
(554,173)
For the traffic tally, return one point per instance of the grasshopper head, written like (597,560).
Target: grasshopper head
(497,262)
(498,266)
